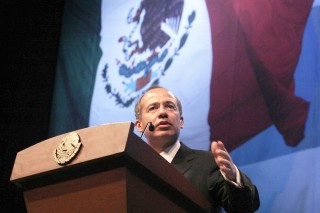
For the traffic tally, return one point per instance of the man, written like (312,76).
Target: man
(212,173)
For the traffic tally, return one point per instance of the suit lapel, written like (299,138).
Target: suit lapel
(183,159)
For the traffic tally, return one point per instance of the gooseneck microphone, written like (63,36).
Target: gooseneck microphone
(151,128)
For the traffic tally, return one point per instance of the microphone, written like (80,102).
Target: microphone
(151,128)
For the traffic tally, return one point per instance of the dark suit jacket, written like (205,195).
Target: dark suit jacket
(200,168)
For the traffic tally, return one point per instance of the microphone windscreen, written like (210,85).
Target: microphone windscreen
(151,127)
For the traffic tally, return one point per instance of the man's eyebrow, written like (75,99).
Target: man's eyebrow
(170,101)
(151,104)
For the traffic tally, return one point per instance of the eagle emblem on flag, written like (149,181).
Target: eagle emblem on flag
(154,38)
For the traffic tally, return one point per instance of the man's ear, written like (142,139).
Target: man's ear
(138,125)
(181,122)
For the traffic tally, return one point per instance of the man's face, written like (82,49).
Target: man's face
(160,107)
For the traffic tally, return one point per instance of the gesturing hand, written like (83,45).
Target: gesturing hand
(223,159)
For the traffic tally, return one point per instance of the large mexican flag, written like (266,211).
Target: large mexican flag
(246,72)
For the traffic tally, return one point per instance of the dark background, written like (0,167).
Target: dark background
(29,43)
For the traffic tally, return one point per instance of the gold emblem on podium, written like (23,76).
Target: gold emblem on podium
(68,149)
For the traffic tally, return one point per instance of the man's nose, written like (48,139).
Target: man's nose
(162,111)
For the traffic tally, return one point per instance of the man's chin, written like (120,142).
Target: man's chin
(164,136)
(164,133)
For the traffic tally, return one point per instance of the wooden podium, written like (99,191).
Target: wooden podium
(113,171)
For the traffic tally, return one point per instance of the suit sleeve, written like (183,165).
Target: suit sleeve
(232,198)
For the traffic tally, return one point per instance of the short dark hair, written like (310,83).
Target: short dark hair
(137,108)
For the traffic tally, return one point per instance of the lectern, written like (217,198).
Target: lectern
(110,170)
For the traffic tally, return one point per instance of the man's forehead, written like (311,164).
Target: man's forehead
(157,95)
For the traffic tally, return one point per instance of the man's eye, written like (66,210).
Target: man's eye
(171,106)
(151,108)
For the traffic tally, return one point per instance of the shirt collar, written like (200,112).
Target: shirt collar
(171,151)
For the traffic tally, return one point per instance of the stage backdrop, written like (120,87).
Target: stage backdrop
(247,73)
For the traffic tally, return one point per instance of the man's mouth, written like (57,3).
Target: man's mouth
(163,124)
